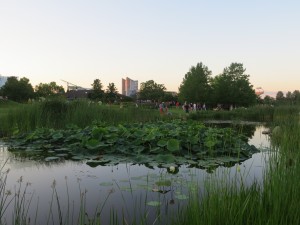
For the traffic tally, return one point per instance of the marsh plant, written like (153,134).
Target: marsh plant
(275,202)
(59,113)
(15,201)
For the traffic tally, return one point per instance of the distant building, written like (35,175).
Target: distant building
(77,94)
(2,80)
(129,87)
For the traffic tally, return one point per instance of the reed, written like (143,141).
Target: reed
(275,202)
(58,114)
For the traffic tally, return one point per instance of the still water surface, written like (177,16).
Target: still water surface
(124,189)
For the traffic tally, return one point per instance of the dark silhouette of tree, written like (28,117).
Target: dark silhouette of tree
(17,90)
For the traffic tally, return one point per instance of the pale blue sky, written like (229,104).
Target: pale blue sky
(81,40)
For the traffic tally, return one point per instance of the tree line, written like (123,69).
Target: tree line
(230,88)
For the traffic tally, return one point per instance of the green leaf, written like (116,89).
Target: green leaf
(173,145)
(162,143)
(92,144)
(57,136)
(52,158)
(153,203)
(181,197)
(165,158)
(163,183)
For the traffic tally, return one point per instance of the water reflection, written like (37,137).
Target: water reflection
(125,189)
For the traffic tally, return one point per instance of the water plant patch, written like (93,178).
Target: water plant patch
(157,143)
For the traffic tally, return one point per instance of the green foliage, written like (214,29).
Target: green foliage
(195,86)
(97,92)
(59,113)
(48,90)
(151,91)
(17,90)
(276,201)
(232,87)
(165,140)
(111,93)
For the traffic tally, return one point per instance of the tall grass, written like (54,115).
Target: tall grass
(59,113)
(275,202)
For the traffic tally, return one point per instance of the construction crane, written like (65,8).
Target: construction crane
(71,86)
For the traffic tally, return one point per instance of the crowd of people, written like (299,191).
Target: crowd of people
(187,107)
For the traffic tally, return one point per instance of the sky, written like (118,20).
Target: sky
(82,40)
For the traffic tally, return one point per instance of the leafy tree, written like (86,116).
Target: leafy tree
(48,90)
(195,86)
(111,92)
(289,97)
(269,100)
(296,96)
(111,88)
(97,92)
(151,91)
(232,87)
(17,90)
(169,97)
(279,96)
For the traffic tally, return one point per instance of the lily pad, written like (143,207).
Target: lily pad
(173,145)
(181,197)
(52,158)
(154,203)
(106,184)
(163,183)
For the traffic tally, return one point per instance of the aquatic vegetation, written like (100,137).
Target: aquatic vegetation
(178,142)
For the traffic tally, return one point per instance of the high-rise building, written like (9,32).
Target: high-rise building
(129,87)
(2,80)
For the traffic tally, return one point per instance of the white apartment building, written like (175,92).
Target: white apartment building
(129,87)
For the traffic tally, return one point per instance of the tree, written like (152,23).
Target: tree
(111,88)
(233,87)
(97,92)
(17,90)
(151,91)
(111,92)
(296,96)
(279,96)
(269,100)
(195,86)
(48,90)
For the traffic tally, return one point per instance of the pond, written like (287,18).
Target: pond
(134,192)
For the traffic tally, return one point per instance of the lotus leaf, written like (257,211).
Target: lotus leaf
(165,158)
(52,158)
(57,136)
(92,144)
(163,183)
(162,143)
(173,145)
(181,197)
(153,203)
(106,184)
